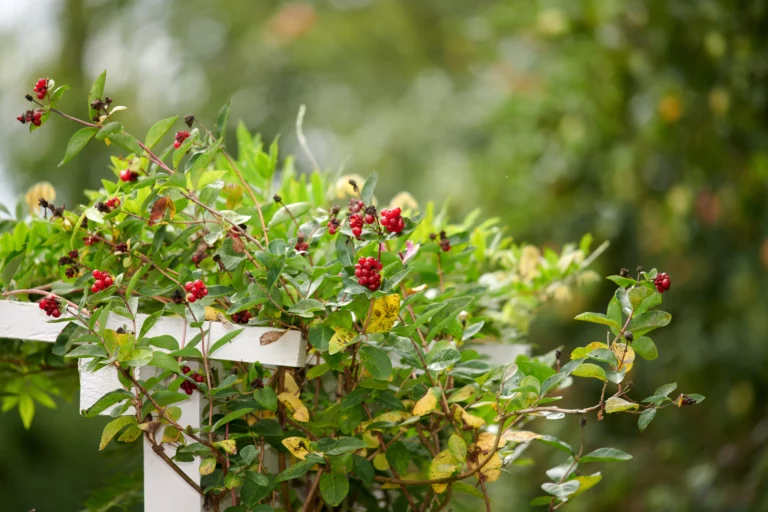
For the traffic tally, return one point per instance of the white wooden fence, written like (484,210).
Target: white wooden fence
(164,490)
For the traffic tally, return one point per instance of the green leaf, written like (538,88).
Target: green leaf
(158,130)
(363,469)
(248,454)
(622,281)
(76,144)
(376,361)
(556,443)
(26,410)
(109,129)
(127,141)
(590,370)
(398,456)
(209,177)
(539,371)
(561,491)
(164,361)
(58,93)
(231,416)
(224,340)
(637,295)
(334,487)
(597,318)
(221,120)
(113,427)
(297,470)
(645,348)
(366,194)
(616,404)
(606,455)
(442,355)
(648,321)
(266,398)
(458,447)
(284,213)
(645,419)
(12,264)
(317,371)
(107,401)
(666,389)
(165,341)
(345,445)
(150,322)
(64,340)
(96,92)
(306,307)
(87,350)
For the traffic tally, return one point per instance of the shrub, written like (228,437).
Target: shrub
(397,408)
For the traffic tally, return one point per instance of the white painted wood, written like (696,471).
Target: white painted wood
(164,489)
(31,323)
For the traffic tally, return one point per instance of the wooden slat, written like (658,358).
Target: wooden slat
(25,321)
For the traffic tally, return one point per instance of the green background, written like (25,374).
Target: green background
(643,122)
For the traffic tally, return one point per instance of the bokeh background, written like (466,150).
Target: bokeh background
(644,122)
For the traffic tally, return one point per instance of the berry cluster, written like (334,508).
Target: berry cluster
(241,317)
(33,117)
(370,215)
(51,306)
(356,205)
(90,240)
(180,138)
(367,273)
(445,244)
(70,259)
(112,203)
(356,223)
(187,386)
(195,290)
(126,175)
(121,247)
(333,225)
(103,280)
(41,88)
(392,220)
(302,246)
(662,282)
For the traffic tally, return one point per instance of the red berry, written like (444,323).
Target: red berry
(108,281)
(189,286)
(357,231)
(191,297)
(94,289)
(198,284)
(55,313)
(203,292)
(185,369)
(369,219)
(96,274)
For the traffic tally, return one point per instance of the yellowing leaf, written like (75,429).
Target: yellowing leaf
(207,466)
(159,208)
(380,462)
(370,440)
(294,405)
(171,434)
(298,446)
(212,314)
(341,340)
(469,420)
(629,357)
(520,436)
(443,465)
(41,190)
(580,352)
(458,447)
(463,394)
(384,313)
(485,442)
(113,427)
(228,445)
(289,384)
(616,404)
(427,403)
(589,370)
(388,417)
(586,483)
(491,469)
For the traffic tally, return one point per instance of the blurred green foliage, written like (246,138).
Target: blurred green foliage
(643,122)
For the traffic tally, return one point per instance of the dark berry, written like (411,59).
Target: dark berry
(180,138)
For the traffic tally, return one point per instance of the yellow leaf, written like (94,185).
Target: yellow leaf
(289,384)
(427,403)
(491,469)
(586,483)
(380,462)
(384,313)
(341,340)
(171,434)
(370,440)
(470,420)
(580,352)
(41,190)
(443,465)
(628,358)
(228,445)
(520,436)
(294,405)
(298,446)
(212,314)
(485,442)
(388,417)
(481,449)
(207,466)
(344,189)
(463,394)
